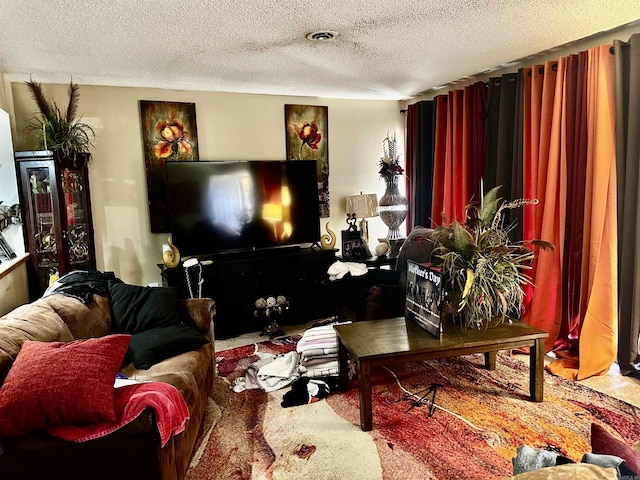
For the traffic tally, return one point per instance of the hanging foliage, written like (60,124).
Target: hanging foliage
(59,129)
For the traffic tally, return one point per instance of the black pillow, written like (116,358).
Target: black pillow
(135,308)
(156,344)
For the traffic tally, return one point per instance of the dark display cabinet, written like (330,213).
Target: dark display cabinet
(236,280)
(55,199)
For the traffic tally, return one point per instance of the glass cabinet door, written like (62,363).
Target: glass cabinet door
(57,216)
(76,215)
(43,222)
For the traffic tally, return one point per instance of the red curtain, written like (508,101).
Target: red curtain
(456,180)
(439,159)
(475,106)
(459,152)
(576,158)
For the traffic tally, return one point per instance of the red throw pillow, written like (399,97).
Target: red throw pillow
(604,443)
(60,383)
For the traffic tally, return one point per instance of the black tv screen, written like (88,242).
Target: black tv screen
(216,206)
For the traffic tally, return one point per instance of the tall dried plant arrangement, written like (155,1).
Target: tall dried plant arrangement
(59,129)
(484,271)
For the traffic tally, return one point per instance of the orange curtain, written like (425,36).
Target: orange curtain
(598,335)
(545,309)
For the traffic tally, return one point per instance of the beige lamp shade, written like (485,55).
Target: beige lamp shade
(363,205)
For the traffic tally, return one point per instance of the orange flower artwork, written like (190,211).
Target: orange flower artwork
(169,133)
(307,128)
(172,139)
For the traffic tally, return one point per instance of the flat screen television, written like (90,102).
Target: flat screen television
(218,206)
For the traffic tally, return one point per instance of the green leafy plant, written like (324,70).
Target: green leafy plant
(484,272)
(59,129)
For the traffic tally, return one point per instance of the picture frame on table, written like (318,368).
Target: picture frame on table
(424,298)
(354,246)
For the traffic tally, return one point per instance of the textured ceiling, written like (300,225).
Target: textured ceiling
(386,49)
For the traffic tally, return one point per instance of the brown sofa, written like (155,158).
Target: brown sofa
(133,451)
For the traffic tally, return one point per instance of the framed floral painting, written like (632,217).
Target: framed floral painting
(169,133)
(307,139)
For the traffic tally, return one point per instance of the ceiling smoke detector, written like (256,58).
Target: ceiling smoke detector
(322,36)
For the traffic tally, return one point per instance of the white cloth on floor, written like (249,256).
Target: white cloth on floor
(270,373)
(339,269)
(282,366)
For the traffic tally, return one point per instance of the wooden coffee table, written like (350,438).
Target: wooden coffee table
(396,340)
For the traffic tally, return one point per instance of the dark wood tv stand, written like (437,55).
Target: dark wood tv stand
(236,279)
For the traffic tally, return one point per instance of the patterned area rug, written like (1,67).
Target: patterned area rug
(479,420)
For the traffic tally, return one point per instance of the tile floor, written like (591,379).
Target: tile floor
(613,383)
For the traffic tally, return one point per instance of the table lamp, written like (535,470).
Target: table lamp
(362,206)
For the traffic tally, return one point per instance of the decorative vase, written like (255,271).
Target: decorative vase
(393,207)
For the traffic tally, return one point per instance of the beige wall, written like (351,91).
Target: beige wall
(230,126)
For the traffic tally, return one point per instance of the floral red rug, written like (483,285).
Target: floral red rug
(479,420)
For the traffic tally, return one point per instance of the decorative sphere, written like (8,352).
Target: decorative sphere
(382,249)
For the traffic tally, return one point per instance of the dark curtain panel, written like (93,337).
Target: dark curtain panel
(492,131)
(627,60)
(503,165)
(421,138)
(517,158)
